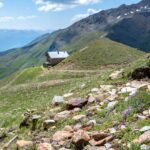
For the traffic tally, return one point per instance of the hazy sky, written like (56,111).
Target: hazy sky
(50,14)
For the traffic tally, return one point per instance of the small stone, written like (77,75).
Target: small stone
(79,117)
(146,112)
(24,144)
(112,130)
(47,123)
(62,135)
(140,117)
(145,147)
(68,128)
(101,142)
(45,146)
(92,108)
(92,122)
(83,85)
(94,90)
(91,99)
(130,90)
(36,117)
(122,127)
(76,110)
(144,138)
(67,95)
(88,147)
(108,145)
(108,88)
(80,139)
(62,115)
(145,128)
(111,105)
(58,100)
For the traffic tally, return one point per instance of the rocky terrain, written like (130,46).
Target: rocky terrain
(107,110)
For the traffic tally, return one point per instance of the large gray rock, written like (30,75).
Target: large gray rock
(58,100)
(145,128)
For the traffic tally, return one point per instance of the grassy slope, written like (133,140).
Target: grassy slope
(102,52)
(34,53)
(15,101)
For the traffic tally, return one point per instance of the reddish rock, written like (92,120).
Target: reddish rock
(45,146)
(100,138)
(62,135)
(80,139)
(73,103)
(101,142)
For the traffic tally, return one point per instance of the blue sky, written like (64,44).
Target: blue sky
(50,14)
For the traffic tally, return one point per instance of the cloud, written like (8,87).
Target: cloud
(26,17)
(11,18)
(59,5)
(6,18)
(1,4)
(84,15)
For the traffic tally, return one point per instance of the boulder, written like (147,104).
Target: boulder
(140,73)
(79,102)
(45,146)
(62,115)
(116,75)
(58,100)
(22,144)
(62,135)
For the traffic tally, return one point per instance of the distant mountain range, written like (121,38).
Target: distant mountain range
(17,38)
(128,24)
